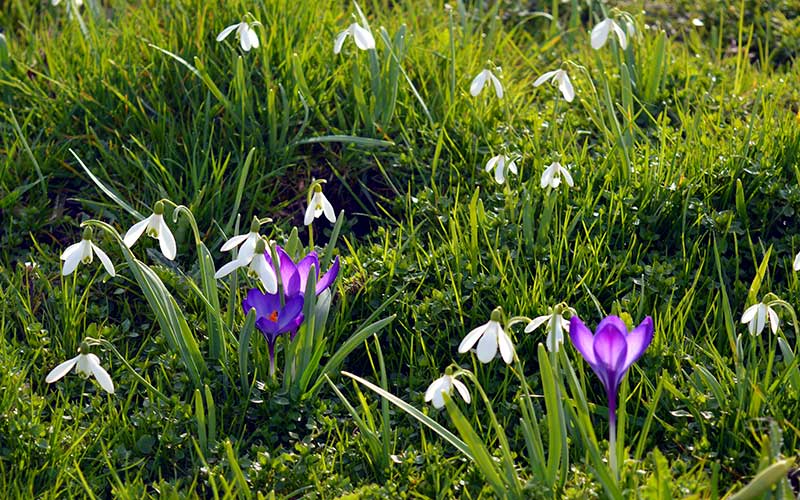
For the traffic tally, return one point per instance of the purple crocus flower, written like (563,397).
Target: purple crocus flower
(273,319)
(610,352)
(295,276)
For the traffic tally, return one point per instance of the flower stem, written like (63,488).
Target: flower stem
(612,436)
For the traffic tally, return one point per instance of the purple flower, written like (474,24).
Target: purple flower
(611,351)
(295,276)
(273,319)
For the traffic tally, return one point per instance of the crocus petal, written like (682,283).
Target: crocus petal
(102,376)
(59,371)
(506,347)
(291,310)
(600,33)
(498,87)
(74,258)
(337,45)
(290,277)
(565,86)
(487,346)
(472,337)
(582,339)
(773,319)
(623,42)
(614,322)
(136,231)
(304,268)
(234,242)
(610,350)
(327,280)
(462,389)
(536,323)
(229,268)
(166,241)
(227,31)
(362,37)
(545,77)
(104,259)
(638,340)
(478,82)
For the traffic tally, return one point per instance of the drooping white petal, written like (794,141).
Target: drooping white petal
(545,77)
(512,167)
(487,346)
(462,389)
(499,174)
(105,260)
(309,217)
(244,39)
(498,87)
(75,257)
(234,242)
(536,323)
(749,313)
(362,37)
(82,366)
(506,347)
(774,321)
(796,264)
(72,249)
(166,241)
(600,33)
(548,175)
(340,38)
(230,267)
(623,41)
(251,34)
(761,318)
(265,273)
(472,337)
(327,208)
(490,164)
(136,231)
(565,86)
(478,82)
(435,387)
(227,31)
(102,376)
(59,371)
(567,177)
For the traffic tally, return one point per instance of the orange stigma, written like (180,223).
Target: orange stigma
(273,317)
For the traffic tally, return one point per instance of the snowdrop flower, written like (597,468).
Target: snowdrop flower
(86,365)
(317,206)
(244,32)
(77,3)
(560,77)
(796,265)
(362,37)
(756,317)
(479,82)
(257,267)
(552,176)
(603,29)
(155,227)
(245,242)
(83,252)
(556,326)
(491,337)
(445,384)
(500,164)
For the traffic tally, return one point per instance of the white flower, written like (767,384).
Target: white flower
(86,365)
(552,176)
(244,32)
(603,29)
(256,264)
(362,37)
(756,318)
(83,252)
(155,228)
(556,326)
(479,82)
(560,77)
(245,242)
(491,337)
(443,384)
(796,265)
(501,163)
(317,206)
(77,3)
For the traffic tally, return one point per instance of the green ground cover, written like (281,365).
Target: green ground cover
(682,146)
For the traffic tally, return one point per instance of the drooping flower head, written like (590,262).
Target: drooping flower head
(756,317)
(157,228)
(272,318)
(245,242)
(479,82)
(561,78)
(86,364)
(501,164)
(83,251)
(611,351)
(492,336)
(318,204)
(247,36)
(445,384)
(362,36)
(556,326)
(601,31)
(256,264)
(552,176)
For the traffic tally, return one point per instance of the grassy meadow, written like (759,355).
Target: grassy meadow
(676,126)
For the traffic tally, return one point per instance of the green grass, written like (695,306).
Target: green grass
(684,153)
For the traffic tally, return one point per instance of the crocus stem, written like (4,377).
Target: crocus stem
(272,361)
(612,435)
